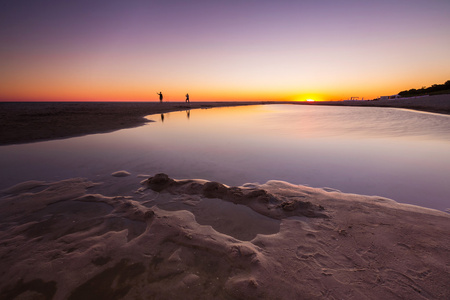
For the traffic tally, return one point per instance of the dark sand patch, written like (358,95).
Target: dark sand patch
(25,122)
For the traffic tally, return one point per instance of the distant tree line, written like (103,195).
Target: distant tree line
(435,89)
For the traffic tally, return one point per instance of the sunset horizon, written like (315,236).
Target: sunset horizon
(253,51)
(239,149)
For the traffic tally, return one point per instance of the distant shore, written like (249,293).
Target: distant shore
(436,104)
(26,122)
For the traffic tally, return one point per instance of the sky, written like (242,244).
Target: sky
(220,50)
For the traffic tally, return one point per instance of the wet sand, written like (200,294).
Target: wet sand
(65,240)
(25,122)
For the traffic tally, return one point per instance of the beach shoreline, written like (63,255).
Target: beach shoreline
(27,122)
(133,234)
(434,104)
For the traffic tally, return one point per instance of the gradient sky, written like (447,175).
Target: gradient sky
(221,50)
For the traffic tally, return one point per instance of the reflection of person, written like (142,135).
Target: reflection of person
(188,113)
(162,117)
(160,96)
(187,97)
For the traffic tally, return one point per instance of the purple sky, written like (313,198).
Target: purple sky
(280,50)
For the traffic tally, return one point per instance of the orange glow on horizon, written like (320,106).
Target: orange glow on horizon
(114,51)
(53,89)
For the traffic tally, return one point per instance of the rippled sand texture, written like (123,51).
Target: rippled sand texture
(193,239)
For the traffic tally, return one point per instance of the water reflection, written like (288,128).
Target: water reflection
(394,153)
(188,113)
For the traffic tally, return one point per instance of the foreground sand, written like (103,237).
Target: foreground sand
(193,239)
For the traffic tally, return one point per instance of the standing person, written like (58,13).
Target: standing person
(160,96)
(187,97)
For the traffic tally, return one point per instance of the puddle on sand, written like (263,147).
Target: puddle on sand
(238,221)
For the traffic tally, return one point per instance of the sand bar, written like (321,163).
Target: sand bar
(25,122)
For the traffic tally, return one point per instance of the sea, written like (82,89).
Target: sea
(395,153)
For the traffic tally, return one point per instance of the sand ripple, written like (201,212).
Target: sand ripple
(61,242)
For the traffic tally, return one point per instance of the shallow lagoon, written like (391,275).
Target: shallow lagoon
(400,154)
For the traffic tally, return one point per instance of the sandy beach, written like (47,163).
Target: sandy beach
(25,122)
(224,150)
(194,239)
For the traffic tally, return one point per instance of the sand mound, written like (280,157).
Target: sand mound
(277,207)
(60,242)
(121,173)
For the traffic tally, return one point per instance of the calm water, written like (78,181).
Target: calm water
(399,154)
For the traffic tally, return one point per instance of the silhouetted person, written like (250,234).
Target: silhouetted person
(160,96)
(187,97)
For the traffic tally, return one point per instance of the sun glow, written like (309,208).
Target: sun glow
(310,100)
(116,54)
